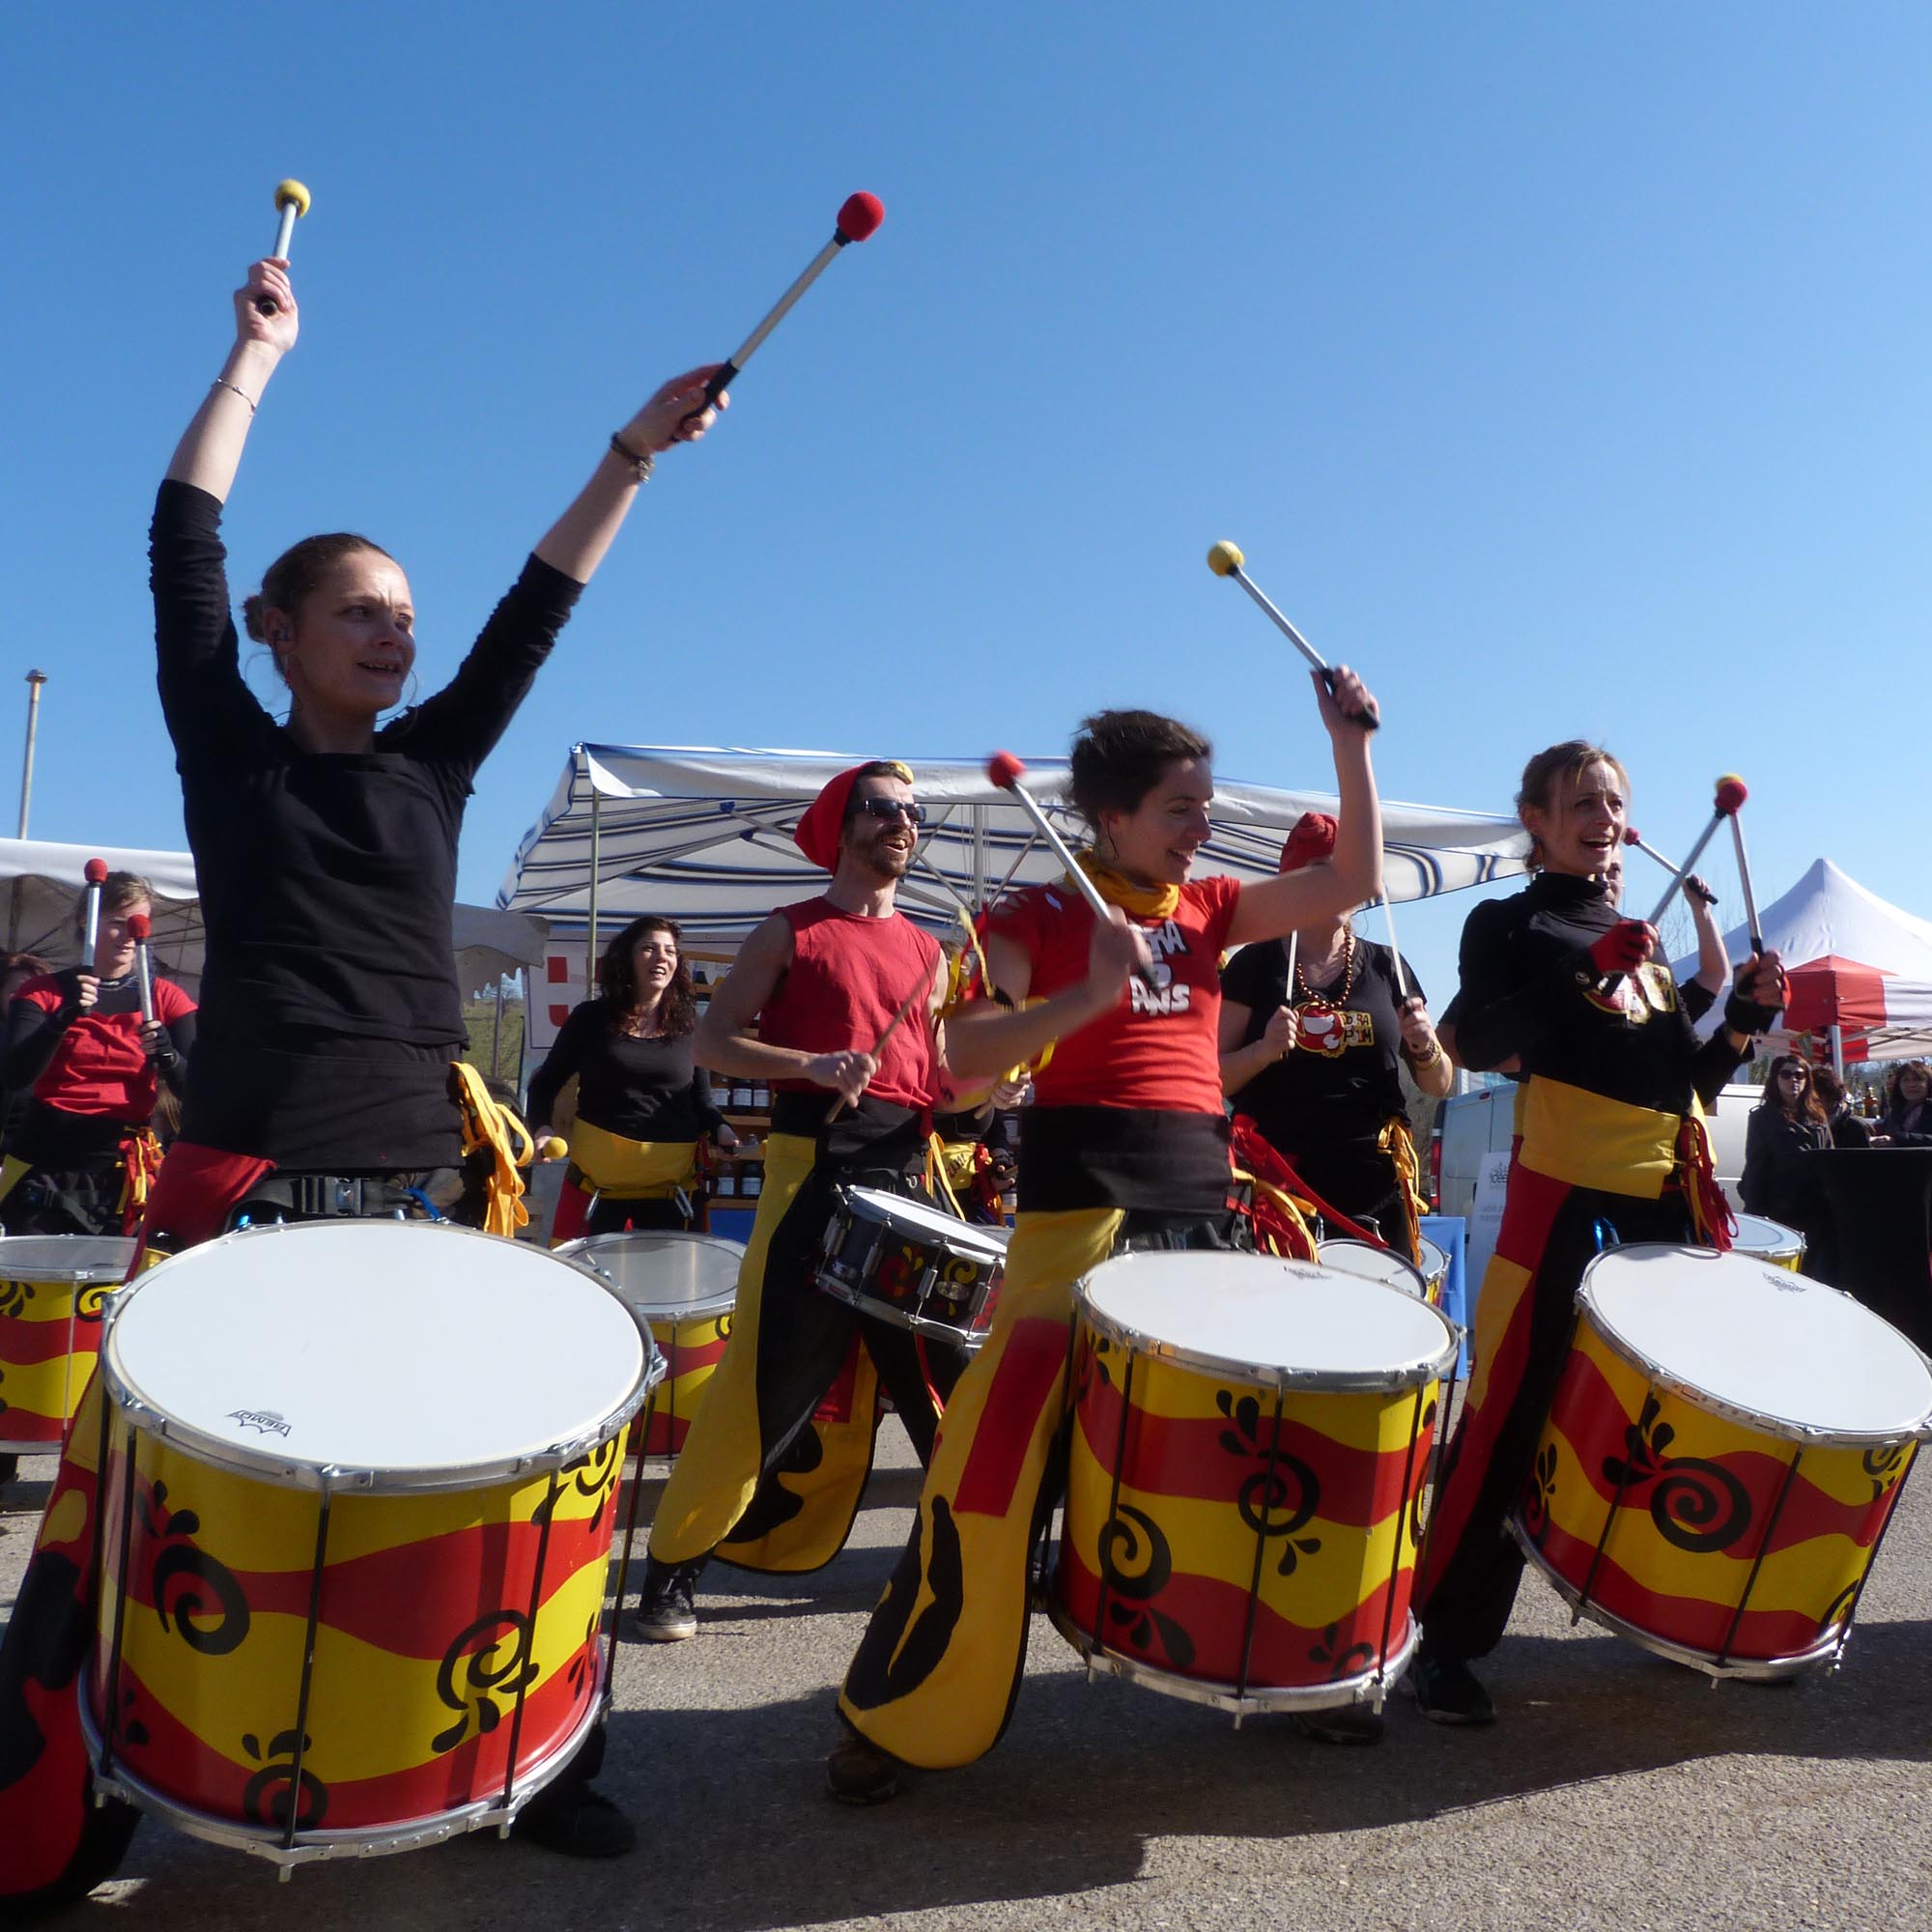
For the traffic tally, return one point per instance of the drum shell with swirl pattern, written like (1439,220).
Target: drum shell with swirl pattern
(457,1614)
(1732,1541)
(52,1292)
(683,1287)
(1193,1569)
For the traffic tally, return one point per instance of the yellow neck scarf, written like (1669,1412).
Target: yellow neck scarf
(1116,889)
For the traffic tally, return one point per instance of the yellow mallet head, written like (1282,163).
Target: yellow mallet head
(553,1149)
(292,194)
(1224,558)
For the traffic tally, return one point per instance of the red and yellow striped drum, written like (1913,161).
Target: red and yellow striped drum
(52,1292)
(1249,1436)
(1724,1448)
(358,1486)
(1769,1241)
(683,1287)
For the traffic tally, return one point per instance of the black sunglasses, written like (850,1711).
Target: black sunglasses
(890,807)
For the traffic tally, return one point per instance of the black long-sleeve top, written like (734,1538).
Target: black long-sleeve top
(645,1090)
(1529,988)
(1778,1179)
(329,1003)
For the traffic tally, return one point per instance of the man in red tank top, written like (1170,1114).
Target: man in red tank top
(770,1474)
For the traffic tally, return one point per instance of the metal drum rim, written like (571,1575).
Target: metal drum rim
(1782,1427)
(978,1234)
(295,1474)
(708,1309)
(73,1277)
(1345,1381)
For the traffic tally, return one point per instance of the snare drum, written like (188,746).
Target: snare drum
(1246,1465)
(910,1264)
(52,1288)
(1768,1240)
(1725,1446)
(1434,1266)
(358,1482)
(1382,1264)
(683,1287)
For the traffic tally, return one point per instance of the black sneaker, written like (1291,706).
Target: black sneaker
(574,1819)
(857,1772)
(1346,1724)
(1446,1692)
(667,1603)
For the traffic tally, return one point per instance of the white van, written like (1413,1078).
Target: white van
(1483,1121)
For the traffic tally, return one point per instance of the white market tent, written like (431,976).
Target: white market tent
(1860,968)
(702,834)
(41,882)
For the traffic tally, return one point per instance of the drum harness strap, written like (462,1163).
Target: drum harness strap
(498,1131)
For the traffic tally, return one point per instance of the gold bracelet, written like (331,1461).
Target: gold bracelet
(222,382)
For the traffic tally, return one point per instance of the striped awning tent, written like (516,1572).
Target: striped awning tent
(702,834)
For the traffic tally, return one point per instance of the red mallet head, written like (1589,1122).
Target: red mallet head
(1005,770)
(94,871)
(139,926)
(1731,793)
(858,219)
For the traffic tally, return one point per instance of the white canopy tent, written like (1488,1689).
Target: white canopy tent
(702,834)
(42,881)
(1860,968)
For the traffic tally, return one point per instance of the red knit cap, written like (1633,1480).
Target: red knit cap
(1312,841)
(816,834)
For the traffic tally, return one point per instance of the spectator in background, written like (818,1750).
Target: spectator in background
(1846,1130)
(1785,1126)
(1906,1114)
(642,1104)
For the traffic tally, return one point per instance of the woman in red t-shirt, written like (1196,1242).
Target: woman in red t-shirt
(1126,1144)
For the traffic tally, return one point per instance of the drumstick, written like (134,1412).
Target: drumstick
(292,200)
(1745,880)
(1400,975)
(1731,795)
(95,873)
(879,1045)
(858,221)
(1005,771)
(139,926)
(1632,838)
(1225,560)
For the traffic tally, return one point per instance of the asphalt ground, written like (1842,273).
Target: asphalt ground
(1616,1791)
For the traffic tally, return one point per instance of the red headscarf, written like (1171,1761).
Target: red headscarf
(1312,841)
(816,834)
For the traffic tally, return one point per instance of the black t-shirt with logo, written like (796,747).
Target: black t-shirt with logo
(1340,1083)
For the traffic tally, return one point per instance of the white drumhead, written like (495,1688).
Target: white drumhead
(1760,1339)
(1268,1320)
(922,1218)
(1372,1264)
(665,1274)
(407,1347)
(74,1258)
(1760,1235)
(1434,1264)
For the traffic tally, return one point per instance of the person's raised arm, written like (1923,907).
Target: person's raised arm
(575,543)
(1353,874)
(209,451)
(1241,1064)
(1713,969)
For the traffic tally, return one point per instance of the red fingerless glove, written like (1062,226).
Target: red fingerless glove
(1623,948)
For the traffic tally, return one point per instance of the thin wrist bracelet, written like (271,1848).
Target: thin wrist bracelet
(640,466)
(222,382)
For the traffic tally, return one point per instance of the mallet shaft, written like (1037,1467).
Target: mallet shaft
(92,936)
(907,1006)
(145,968)
(285,231)
(1745,880)
(1314,658)
(1395,951)
(1691,858)
(749,348)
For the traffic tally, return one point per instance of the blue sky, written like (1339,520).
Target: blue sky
(1563,368)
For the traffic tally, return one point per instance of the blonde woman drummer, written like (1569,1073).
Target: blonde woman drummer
(642,1104)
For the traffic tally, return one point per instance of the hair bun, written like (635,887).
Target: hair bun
(253,619)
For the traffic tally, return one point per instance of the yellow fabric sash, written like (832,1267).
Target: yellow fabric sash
(1116,889)
(1585,1140)
(1399,1143)
(614,1165)
(497,1128)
